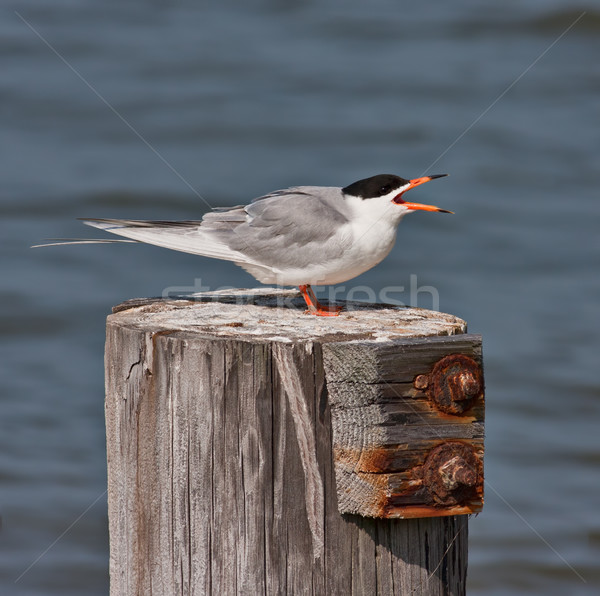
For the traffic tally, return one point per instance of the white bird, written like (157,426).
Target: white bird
(300,236)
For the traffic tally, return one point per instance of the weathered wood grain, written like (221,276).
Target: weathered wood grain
(222,450)
(382,424)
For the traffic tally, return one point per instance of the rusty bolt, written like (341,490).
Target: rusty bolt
(454,384)
(468,384)
(457,471)
(421,381)
(451,473)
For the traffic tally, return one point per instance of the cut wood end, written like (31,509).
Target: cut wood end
(272,314)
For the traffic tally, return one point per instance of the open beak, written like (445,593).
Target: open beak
(418,206)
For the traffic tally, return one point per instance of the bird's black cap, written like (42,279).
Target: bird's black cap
(375,186)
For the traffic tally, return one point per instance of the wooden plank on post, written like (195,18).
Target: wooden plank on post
(253,449)
(390,438)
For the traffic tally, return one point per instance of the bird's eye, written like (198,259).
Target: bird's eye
(385,189)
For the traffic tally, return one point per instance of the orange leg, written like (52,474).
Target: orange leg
(315,307)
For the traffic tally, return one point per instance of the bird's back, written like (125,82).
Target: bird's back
(295,227)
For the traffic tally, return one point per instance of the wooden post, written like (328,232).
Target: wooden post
(253,449)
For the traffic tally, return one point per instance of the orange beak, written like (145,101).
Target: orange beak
(418,206)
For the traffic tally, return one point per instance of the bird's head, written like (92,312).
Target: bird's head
(387,188)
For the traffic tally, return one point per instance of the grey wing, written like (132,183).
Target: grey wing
(296,227)
(224,219)
(186,236)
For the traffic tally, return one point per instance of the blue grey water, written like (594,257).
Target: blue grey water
(160,110)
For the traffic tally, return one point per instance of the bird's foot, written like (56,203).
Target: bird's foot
(315,307)
(324,311)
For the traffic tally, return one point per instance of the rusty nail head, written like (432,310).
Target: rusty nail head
(421,381)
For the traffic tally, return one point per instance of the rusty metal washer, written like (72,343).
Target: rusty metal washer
(451,473)
(454,384)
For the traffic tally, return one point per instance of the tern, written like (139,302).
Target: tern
(301,236)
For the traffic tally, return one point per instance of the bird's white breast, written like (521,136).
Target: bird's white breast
(372,228)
